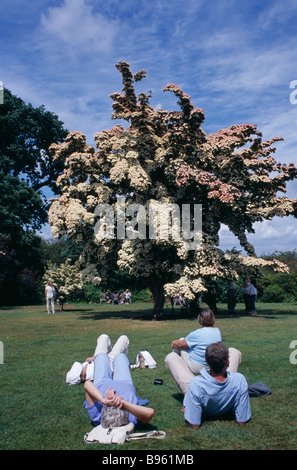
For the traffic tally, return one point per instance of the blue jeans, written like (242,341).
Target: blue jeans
(253,302)
(121,367)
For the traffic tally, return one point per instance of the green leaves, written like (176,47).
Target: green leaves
(21,207)
(25,136)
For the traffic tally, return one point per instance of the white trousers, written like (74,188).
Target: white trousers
(183,370)
(50,304)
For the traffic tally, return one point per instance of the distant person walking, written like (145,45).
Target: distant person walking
(231,296)
(50,297)
(253,297)
(246,293)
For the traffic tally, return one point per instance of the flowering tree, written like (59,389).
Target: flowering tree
(66,280)
(166,157)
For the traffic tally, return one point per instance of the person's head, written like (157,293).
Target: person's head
(83,374)
(73,376)
(112,417)
(216,356)
(246,280)
(206,317)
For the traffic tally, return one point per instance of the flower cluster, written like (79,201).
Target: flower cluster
(66,279)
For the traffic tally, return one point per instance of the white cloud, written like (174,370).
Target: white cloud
(76,26)
(278,234)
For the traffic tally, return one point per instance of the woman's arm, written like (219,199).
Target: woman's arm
(93,395)
(180,344)
(142,413)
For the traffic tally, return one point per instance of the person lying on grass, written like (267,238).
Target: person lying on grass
(80,372)
(216,391)
(116,392)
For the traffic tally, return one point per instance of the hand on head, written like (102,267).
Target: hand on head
(113,399)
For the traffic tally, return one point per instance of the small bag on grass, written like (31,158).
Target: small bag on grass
(258,390)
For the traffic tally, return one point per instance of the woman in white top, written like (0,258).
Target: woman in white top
(50,300)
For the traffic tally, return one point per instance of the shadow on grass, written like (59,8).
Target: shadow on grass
(145,314)
(262,312)
(6,308)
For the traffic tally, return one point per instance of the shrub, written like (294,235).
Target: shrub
(91,294)
(274,293)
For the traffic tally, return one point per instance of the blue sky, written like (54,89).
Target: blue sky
(235,59)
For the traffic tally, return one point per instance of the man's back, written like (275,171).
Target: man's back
(207,396)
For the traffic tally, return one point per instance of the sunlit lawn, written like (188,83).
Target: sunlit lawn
(40,411)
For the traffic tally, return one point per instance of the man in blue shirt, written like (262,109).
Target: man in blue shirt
(215,391)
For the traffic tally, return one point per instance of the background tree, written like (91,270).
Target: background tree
(26,134)
(66,279)
(22,210)
(21,269)
(165,156)
(25,168)
(58,251)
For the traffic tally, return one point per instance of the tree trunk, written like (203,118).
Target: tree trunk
(159,298)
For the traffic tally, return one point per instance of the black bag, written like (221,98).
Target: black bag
(258,390)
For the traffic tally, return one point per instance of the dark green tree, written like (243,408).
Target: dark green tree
(25,136)
(25,168)
(58,251)
(21,208)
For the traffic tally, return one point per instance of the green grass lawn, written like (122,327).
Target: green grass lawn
(39,411)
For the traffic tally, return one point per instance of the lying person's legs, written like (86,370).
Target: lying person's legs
(122,368)
(103,345)
(102,369)
(121,346)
